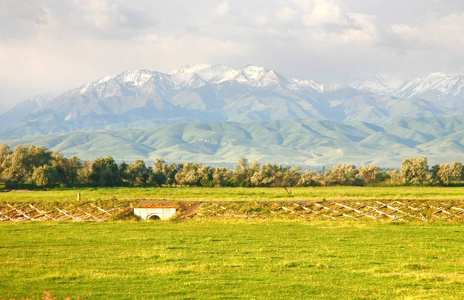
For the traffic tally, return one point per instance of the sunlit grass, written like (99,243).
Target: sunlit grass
(236,259)
(226,194)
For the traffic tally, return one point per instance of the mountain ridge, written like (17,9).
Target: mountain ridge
(309,143)
(434,86)
(196,93)
(250,113)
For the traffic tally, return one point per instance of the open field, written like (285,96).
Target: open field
(235,194)
(239,259)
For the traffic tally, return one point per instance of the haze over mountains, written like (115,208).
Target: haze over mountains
(434,87)
(217,114)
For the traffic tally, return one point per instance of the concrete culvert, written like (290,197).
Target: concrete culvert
(154,213)
(153,218)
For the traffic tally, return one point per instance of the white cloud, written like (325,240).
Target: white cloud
(365,30)
(222,8)
(96,12)
(22,20)
(444,31)
(286,14)
(404,30)
(261,20)
(319,13)
(57,45)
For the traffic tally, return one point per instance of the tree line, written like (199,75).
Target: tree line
(37,166)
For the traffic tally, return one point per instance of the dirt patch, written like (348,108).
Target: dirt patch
(189,209)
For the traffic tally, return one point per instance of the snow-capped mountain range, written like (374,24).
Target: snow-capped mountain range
(433,87)
(378,83)
(199,93)
(217,114)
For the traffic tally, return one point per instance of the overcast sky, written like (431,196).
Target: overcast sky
(56,45)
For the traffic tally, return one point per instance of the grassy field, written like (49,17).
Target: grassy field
(232,259)
(225,194)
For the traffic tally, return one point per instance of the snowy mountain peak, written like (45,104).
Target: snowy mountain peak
(194,81)
(259,76)
(254,72)
(378,83)
(104,79)
(207,73)
(440,75)
(136,78)
(434,87)
(142,98)
(430,87)
(299,83)
(214,73)
(435,84)
(250,75)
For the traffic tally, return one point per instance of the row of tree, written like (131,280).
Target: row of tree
(31,165)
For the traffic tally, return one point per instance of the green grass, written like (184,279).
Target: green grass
(232,259)
(226,194)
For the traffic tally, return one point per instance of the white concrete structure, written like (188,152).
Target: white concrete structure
(159,213)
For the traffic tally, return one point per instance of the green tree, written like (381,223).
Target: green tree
(288,176)
(342,175)
(105,172)
(450,172)
(189,175)
(264,176)
(75,165)
(138,172)
(164,173)
(16,167)
(5,153)
(160,172)
(456,169)
(123,173)
(434,177)
(206,175)
(310,178)
(243,173)
(83,173)
(61,165)
(5,159)
(394,176)
(20,163)
(44,175)
(222,177)
(444,173)
(370,174)
(415,170)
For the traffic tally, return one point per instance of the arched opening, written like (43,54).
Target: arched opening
(153,218)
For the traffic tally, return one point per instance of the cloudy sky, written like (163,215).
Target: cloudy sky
(56,45)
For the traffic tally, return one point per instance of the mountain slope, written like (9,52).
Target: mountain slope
(379,84)
(20,111)
(303,142)
(204,93)
(446,90)
(435,86)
